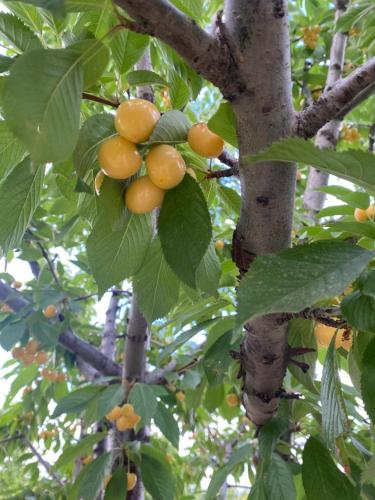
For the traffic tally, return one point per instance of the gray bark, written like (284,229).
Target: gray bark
(327,136)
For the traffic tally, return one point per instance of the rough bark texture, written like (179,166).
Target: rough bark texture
(264,114)
(108,343)
(328,135)
(330,105)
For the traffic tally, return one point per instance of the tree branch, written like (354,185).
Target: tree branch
(107,346)
(101,100)
(45,464)
(202,51)
(332,102)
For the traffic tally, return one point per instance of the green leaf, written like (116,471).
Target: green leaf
(81,5)
(209,272)
(90,480)
(42,98)
(183,338)
(157,478)
(359,311)
(368,475)
(321,477)
(82,448)
(116,254)
(94,131)
(217,359)
(25,377)
(103,403)
(362,228)
(368,379)
(368,285)
(5,63)
(11,334)
(301,334)
(19,198)
(352,16)
(356,199)
(223,123)
(155,285)
(143,398)
(56,6)
(77,400)
(179,90)
(334,416)
(173,127)
(145,77)
(193,8)
(164,419)
(355,166)
(239,456)
(12,150)
(117,487)
(185,229)
(300,277)
(127,48)
(94,56)
(279,483)
(230,198)
(17,34)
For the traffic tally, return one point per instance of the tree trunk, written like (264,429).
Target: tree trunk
(264,114)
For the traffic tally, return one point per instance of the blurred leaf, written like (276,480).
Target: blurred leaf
(157,478)
(209,272)
(17,34)
(223,123)
(95,58)
(117,487)
(127,48)
(359,311)
(356,199)
(179,90)
(103,403)
(143,398)
(164,419)
(301,334)
(90,480)
(77,400)
(173,127)
(145,77)
(82,448)
(368,379)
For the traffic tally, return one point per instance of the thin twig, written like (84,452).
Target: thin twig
(41,460)
(49,263)
(101,100)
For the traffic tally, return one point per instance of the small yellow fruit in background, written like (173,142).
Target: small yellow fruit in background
(106,480)
(219,244)
(50,311)
(17,284)
(298,175)
(204,142)
(5,308)
(27,390)
(142,196)
(360,215)
(41,358)
(18,353)
(132,480)
(136,119)
(29,415)
(324,334)
(191,172)
(122,424)
(60,377)
(32,347)
(370,211)
(87,460)
(119,158)
(99,178)
(168,457)
(180,396)
(232,400)
(165,166)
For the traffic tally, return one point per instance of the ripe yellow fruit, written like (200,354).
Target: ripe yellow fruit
(143,196)
(136,119)
(32,347)
(87,460)
(232,400)
(324,334)
(132,480)
(165,166)
(119,158)
(28,358)
(370,211)
(17,284)
(168,457)
(60,377)
(122,424)
(99,178)
(18,353)
(180,396)
(204,142)
(191,172)
(360,215)
(50,311)
(5,308)
(41,358)
(114,414)
(219,244)
(127,409)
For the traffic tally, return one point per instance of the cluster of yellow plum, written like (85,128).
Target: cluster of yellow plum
(361,215)
(350,134)
(310,36)
(119,157)
(131,480)
(30,354)
(125,417)
(324,334)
